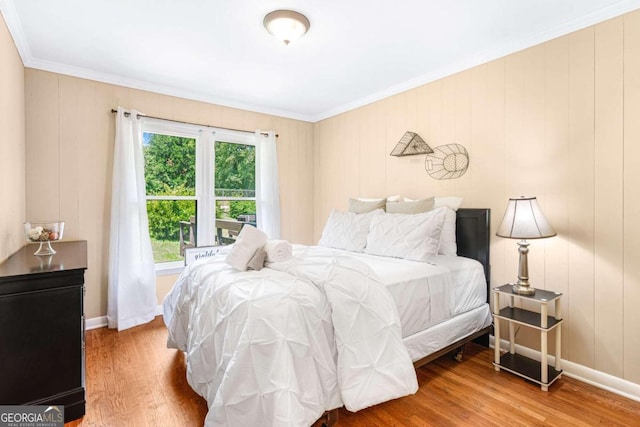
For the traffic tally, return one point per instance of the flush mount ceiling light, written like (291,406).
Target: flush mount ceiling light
(286,25)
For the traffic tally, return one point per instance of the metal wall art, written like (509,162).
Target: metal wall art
(409,145)
(449,161)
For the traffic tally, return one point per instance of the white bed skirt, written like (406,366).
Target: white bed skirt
(428,341)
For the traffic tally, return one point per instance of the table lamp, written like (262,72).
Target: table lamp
(524,220)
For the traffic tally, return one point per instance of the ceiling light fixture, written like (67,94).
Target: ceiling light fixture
(286,25)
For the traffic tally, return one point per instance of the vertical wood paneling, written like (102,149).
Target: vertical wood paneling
(43,189)
(372,160)
(580,199)
(462,131)
(494,194)
(515,159)
(69,159)
(631,210)
(12,145)
(608,196)
(556,186)
(395,128)
(348,154)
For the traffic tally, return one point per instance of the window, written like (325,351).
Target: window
(200,186)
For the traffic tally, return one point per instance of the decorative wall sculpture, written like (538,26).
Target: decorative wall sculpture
(449,161)
(409,145)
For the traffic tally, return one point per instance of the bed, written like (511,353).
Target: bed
(290,344)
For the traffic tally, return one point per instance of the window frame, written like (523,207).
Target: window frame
(205,197)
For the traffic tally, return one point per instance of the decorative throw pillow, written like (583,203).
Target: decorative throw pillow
(360,206)
(414,237)
(257,261)
(411,207)
(347,230)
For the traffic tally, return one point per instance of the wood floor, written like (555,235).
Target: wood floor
(134,380)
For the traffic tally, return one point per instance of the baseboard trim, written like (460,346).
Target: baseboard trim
(582,373)
(101,322)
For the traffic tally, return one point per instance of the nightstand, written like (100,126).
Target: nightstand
(538,372)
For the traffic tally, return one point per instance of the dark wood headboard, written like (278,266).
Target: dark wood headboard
(472,237)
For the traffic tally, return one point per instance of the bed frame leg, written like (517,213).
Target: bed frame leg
(328,419)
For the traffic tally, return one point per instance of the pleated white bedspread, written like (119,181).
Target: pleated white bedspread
(427,294)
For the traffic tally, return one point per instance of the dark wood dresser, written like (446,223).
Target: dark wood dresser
(42,328)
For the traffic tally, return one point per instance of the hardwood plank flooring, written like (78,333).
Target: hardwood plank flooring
(134,380)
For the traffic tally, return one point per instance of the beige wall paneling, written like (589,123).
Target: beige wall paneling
(92,172)
(556,181)
(413,178)
(580,198)
(448,121)
(463,120)
(396,126)
(514,157)
(321,169)
(434,93)
(348,155)
(373,152)
(12,145)
(43,174)
(493,151)
(285,176)
(96,297)
(69,161)
(609,196)
(524,109)
(631,210)
(318,190)
(302,172)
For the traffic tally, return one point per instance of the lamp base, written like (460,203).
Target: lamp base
(523,289)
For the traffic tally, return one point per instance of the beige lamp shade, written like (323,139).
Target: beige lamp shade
(524,219)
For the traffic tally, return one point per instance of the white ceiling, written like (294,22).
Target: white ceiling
(356,52)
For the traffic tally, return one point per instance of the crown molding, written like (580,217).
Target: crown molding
(85,73)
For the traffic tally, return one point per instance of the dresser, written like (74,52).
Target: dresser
(42,328)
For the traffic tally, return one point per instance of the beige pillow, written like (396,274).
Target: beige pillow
(257,261)
(360,206)
(413,207)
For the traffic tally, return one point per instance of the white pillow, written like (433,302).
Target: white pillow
(450,202)
(347,230)
(415,237)
(448,245)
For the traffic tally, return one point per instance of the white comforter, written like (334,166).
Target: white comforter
(261,346)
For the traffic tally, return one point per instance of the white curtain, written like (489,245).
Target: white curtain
(132,282)
(267,185)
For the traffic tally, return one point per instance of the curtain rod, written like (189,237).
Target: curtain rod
(127,114)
